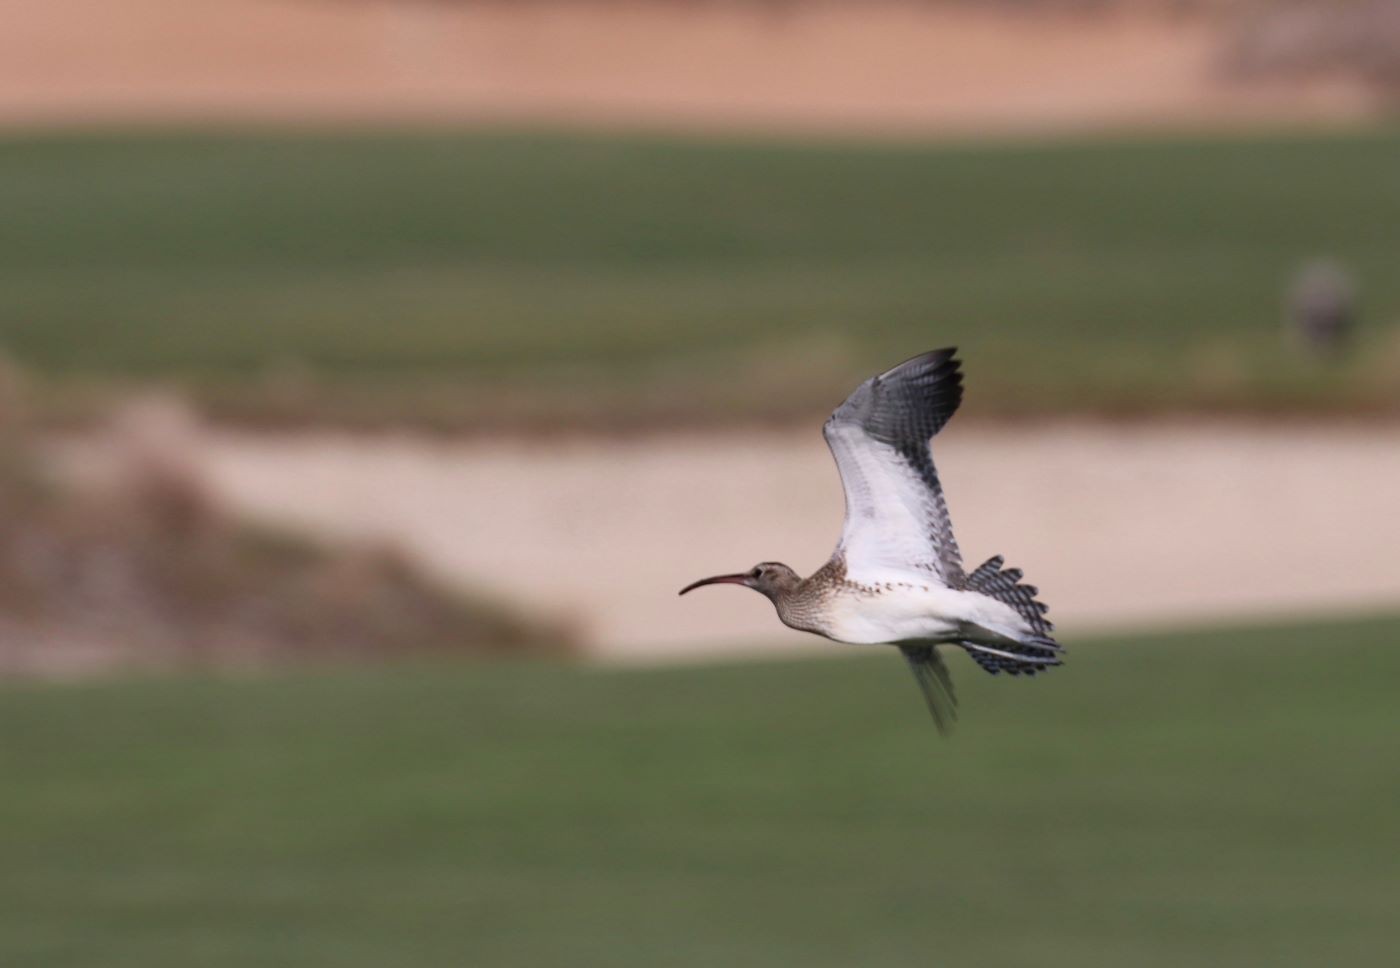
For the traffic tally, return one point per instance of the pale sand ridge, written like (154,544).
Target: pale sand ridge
(1121,526)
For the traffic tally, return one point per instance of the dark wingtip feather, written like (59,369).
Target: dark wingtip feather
(912,401)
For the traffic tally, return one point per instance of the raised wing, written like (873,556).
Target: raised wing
(896,517)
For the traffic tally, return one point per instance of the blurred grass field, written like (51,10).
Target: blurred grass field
(1223,798)
(462,279)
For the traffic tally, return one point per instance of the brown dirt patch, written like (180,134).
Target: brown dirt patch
(839,66)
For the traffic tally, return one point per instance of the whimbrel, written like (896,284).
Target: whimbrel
(897,576)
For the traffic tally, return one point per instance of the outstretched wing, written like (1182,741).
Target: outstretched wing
(937,685)
(896,518)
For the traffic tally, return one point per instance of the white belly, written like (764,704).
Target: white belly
(907,612)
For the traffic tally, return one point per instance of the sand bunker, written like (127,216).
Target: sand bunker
(1120,526)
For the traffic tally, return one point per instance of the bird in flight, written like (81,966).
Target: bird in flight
(896,576)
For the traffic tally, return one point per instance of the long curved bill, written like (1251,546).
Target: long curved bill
(717,580)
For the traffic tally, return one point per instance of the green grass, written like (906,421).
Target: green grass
(469,277)
(1207,799)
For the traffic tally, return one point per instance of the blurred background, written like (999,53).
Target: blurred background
(373,373)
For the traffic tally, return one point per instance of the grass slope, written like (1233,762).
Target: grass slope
(1208,799)
(456,277)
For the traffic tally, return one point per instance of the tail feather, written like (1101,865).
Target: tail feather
(1023,656)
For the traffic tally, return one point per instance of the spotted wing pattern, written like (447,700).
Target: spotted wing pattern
(896,516)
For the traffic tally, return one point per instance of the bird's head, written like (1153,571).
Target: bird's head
(772,578)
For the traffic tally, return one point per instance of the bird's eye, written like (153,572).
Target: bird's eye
(756,573)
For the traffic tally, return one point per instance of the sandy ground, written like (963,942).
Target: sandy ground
(837,65)
(1121,526)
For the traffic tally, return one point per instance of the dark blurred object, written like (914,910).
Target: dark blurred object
(1354,39)
(1322,308)
(11,398)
